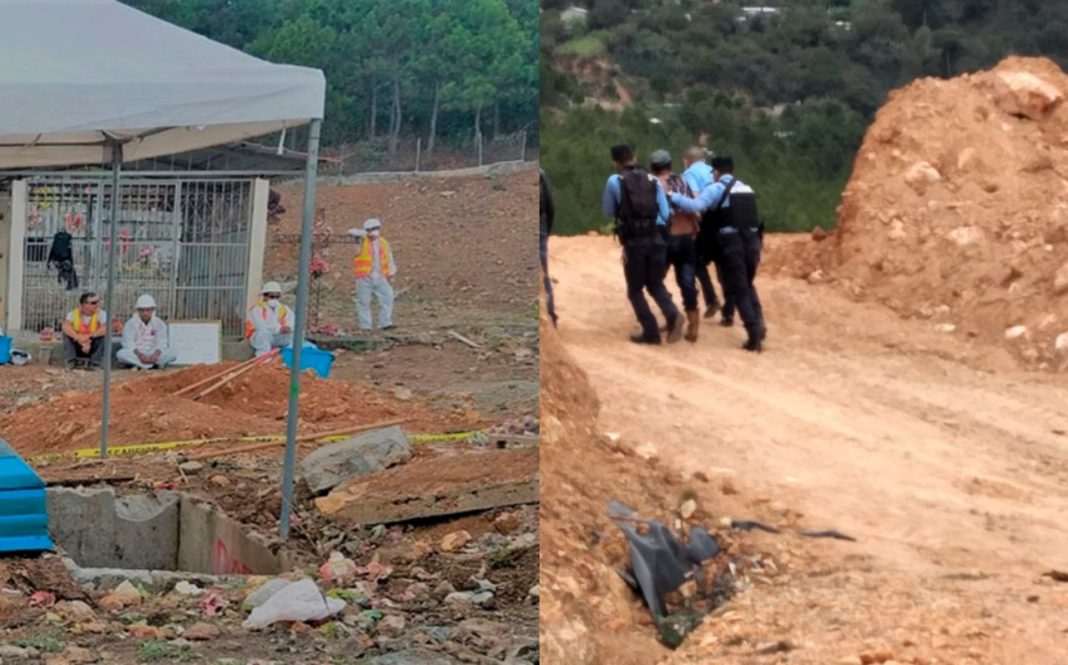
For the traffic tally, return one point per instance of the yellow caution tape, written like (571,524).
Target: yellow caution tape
(141,448)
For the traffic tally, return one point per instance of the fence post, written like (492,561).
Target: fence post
(418,152)
(523,147)
(479,148)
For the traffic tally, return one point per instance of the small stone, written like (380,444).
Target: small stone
(124,595)
(76,655)
(945,327)
(12,651)
(219,481)
(443,590)
(191,467)
(392,625)
(202,631)
(687,509)
(1015,332)
(815,277)
(897,230)
(187,589)
(76,610)
(506,523)
(646,451)
(875,657)
(818,233)
(535,591)
(146,632)
(455,540)
(402,394)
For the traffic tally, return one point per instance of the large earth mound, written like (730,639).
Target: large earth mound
(957,210)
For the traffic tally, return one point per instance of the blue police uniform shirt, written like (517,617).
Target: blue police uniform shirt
(612,196)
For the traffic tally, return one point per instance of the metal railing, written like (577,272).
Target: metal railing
(185,241)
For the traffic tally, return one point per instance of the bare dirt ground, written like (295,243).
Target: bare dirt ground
(468,264)
(946,462)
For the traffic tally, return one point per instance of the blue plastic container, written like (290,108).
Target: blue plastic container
(23,508)
(5,350)
(311,357)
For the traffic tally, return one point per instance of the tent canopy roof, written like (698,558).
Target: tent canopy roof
(76,75)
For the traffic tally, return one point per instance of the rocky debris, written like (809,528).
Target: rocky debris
(1016,332)
(368,453)
(1029,95)
(431,487)
(124,595)
(202,631)
(818,234)
(455,541)
(191,467)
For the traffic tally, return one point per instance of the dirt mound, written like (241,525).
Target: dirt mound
(588,615)
(957,210)
(144,410)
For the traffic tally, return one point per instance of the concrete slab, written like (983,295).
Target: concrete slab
(371,452)
(97,529)
(211,542)
(431,487)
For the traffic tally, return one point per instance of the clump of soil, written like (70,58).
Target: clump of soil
(144,410)
(957,210)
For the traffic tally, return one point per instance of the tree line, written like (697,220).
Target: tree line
(437,69)
(789,92)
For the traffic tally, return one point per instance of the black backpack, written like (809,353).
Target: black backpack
(638,208)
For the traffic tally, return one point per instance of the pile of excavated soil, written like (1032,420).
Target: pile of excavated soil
(957,210)
(144,410)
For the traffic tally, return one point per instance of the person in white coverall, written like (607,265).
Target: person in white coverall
(269,322)
(145,343)
(373,267)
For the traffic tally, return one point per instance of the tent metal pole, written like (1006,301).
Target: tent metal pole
(116,174)
(303,276)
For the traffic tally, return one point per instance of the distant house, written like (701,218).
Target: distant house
(757,12)
(843,25)
(574,15)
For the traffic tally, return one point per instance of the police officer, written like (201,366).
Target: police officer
(637,202)
(729,208)
(547,214)
(682,232)
(698,175)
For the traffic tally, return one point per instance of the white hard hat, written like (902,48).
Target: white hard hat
(145,302)
(357,232)
(373,223)
(271,287)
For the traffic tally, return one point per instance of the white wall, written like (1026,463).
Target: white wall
(257,245)
(16,256)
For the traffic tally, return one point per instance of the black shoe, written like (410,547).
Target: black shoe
(753,345)
(711,310)
(726,322)
(763,334)
(639,338)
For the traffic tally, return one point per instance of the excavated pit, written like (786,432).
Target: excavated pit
(103,533)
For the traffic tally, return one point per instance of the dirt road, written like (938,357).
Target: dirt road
(947,464)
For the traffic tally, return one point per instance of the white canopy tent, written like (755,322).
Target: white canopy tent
(97,82)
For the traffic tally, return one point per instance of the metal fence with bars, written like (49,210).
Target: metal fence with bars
(184,240)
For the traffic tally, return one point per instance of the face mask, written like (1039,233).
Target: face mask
(273,304)
(374,234)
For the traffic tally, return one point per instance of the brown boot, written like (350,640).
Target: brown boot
(693,318)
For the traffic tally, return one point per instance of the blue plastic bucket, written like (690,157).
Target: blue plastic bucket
(5,350)
(311,357)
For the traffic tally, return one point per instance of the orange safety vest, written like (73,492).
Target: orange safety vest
(250,329)
(363,264)
(80,326)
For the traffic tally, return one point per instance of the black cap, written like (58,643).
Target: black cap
(723,163)
(660,159)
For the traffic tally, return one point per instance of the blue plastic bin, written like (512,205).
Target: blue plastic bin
(5,350)
(23,507)
(311,357)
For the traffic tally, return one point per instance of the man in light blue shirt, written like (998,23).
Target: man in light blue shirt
(637,202)
(698,175)
(739,238)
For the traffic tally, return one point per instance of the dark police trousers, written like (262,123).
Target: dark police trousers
(682,256)
(644,266)
(703,276)
(738,261)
